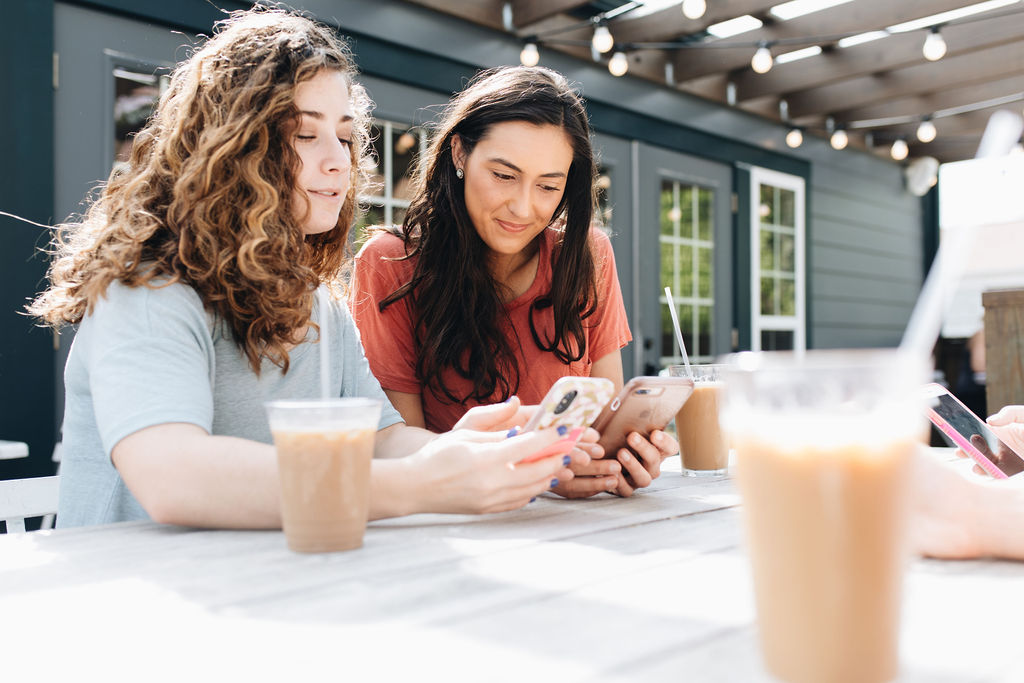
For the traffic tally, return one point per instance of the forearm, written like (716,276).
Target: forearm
(998,506)
(202,480)
(399,440)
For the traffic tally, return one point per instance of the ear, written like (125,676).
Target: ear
(458,152)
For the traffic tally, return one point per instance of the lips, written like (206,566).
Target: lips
(513,227)
(325,194)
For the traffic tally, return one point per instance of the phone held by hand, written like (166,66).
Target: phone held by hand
(967,431)
(571,402)
(644,405)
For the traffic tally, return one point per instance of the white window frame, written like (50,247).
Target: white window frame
(387,201)
(778,323)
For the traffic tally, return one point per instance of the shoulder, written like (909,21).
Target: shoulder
(155,300)
(382,245)
(600,242)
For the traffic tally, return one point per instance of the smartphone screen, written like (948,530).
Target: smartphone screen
(963,429)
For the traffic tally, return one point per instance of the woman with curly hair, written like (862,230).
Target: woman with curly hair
(497,285)
(194,279)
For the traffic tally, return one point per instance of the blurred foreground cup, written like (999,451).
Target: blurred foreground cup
(824,444)
(324,449)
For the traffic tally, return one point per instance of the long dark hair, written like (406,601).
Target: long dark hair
(458,313)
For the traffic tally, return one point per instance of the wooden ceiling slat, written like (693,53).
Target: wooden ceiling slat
(946,98)
(853,17)
(670,23)
(970,124)
(485,12)
(889,53)
(527,12)
(982,65)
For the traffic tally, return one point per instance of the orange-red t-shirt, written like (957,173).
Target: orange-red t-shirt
(388,338)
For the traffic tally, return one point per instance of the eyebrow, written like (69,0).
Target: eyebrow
(504,162)
(320,117)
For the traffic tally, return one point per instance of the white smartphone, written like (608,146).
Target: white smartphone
(572,402)
(967,431)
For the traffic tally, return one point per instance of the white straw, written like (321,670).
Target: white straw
(1001,134)
(679,334)
(325,356)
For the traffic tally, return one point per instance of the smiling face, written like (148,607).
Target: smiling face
(322,141)
(515,177)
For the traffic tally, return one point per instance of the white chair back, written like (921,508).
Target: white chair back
(24,498)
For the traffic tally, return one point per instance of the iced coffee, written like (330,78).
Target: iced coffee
(824,448)
(702,446)
(324,450)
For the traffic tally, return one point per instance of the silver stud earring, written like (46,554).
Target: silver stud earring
(459,173)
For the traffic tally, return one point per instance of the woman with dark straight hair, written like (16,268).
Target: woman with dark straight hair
(497,283)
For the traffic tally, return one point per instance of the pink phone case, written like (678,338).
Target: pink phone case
(965,445)
(936,390)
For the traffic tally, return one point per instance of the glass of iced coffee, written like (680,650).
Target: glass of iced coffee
(702,446)
(824,447)
(324,449)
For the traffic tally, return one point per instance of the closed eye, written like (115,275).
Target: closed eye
(502,176)
(549,188)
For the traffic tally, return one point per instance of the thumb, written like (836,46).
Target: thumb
(1008,415)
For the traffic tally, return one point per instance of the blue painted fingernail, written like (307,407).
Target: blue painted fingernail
(562,430)
(512,432)
(554,483)
(532,499)
(566,460)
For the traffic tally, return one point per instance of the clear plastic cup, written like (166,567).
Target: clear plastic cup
(702,446)
(324,449)
(824,447)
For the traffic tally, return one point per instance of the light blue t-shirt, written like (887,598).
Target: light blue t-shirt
(146,356)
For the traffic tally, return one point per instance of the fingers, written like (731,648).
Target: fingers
(590,435)
(585,452)
(1007,415)
(637,475)
(586,486)
(664,443)
(649,455)
(497,416)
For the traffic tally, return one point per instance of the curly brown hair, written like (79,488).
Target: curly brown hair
(206,198)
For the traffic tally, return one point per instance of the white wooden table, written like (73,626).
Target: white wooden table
(652,588)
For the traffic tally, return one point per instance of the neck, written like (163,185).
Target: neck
(514,273)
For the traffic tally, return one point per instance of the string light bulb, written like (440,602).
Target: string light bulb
(694,9)
(926,131)
(530,55)
(839,139)
(794,138)
(934,46)
(899,149)
(618,65)
(602,40)
(762,60)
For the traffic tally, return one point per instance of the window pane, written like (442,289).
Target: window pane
(787,209)
(704,285)
(767,208)
(704,213)
(787,253)
(787,296)
(377,172)
(768,296)
(686,324)
(666,214)
(603,214)
(703,331)
(668,338)
(668,267)
(685,265)
(404,147)
(135,96)
(398,215)
(374,216)
(767,250)
(686,210)
(776,340)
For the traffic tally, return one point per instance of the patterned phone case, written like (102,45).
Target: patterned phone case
(572,402)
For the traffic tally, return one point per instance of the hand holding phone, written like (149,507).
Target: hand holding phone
(967,431)
(572,403)
(644,405)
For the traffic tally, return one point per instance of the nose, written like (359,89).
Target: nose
(337,157)
(519,201)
